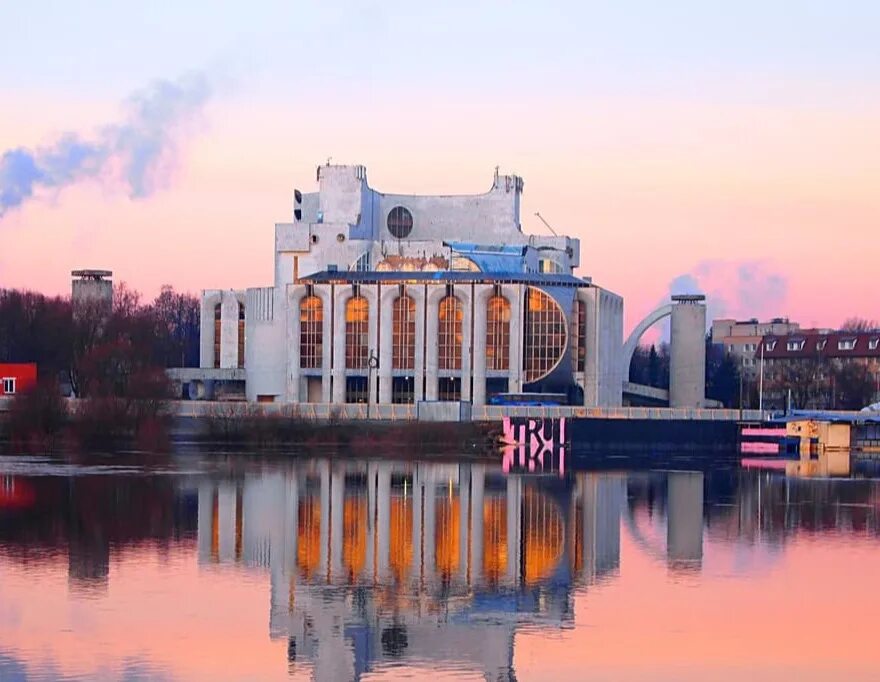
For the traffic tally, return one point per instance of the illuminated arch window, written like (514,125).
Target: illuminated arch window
(544,335)
(218,315)
(357,313)
(403,333)
(463,263)
(311,332)
(362,264)
(449,333)
(241,334)
(497,333)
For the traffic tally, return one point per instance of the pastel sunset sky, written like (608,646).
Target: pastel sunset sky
(734,147)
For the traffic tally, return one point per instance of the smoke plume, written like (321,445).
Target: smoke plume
(136,154)
(740,290)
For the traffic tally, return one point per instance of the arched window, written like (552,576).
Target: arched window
(449,334)
(311,332)
(218,314)
(497,333)
(544,335)
(240,334)
(357,314)
(403,333)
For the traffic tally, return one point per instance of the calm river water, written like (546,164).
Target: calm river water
(238,567)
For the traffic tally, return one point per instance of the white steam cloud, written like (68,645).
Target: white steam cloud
(137,153)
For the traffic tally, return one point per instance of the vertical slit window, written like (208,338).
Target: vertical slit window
(218,316)
(241,334)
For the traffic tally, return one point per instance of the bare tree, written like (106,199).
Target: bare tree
(859,324)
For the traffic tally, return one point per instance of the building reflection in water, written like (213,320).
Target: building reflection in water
(384,563)
(373,563)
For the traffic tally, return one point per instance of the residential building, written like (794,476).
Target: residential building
(742,339)
(17,377)
(810,363)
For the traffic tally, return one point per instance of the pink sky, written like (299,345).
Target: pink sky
(655,188)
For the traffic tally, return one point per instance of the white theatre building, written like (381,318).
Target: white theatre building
(389,298)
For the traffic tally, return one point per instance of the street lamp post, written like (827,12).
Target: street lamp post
(372,364)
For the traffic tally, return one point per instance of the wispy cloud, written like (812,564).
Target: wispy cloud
(137,154)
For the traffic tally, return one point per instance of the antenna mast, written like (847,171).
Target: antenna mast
(541,218)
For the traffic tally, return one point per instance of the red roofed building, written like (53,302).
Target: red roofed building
(823,370)
(17,377)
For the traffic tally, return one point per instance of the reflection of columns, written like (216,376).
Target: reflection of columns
(478,477)
(206,519)
(603,500)
(325,516)
(418,497)
(514,540)
(337,502)
(383,519)
(291,526)
(386,323)
(684,530)
(464,503)
(226,521)
(481,298)
(430,530)
(370,566)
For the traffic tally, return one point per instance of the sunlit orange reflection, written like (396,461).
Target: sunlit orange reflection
(401,536)
(354,535)
(447,535)
(308,544)
(494,538)
(543,537)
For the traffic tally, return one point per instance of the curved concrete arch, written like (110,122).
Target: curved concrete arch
(629,348)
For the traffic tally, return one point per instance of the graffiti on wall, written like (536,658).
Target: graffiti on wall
(533,445)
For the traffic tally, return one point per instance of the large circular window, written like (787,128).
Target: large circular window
(400,222)
(545,335)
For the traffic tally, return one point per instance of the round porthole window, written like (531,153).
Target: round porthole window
(400,222)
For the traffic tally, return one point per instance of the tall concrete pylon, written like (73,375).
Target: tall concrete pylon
(687,348)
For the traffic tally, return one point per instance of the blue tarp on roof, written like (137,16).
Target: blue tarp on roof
(492,258)
(450,276)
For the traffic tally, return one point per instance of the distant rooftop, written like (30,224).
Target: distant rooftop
(91,274)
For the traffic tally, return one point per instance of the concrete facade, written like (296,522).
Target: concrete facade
(348,241)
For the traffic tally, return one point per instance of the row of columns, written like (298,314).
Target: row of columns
(474,303)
